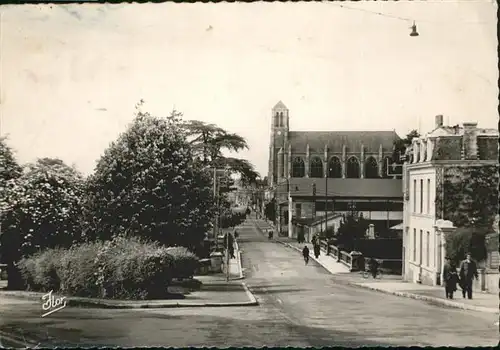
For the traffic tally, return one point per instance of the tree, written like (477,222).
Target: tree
(45,206)
(352,227)
(209,141)
(148,184)
(400,145)
(10,170)
(467,239)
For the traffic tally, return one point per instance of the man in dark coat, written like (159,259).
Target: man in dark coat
(317,249)
(468,270)
(450,278)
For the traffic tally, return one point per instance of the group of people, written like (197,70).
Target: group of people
(316,248)
(464,278)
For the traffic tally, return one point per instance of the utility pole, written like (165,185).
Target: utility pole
(216,197)
(326,203)
(227,256)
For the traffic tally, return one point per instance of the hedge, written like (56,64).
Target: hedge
(124,268)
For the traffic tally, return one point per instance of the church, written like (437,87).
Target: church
(316,175)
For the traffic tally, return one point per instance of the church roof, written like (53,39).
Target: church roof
(280,105)
(335,139)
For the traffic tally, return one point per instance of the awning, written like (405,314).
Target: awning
(397,227)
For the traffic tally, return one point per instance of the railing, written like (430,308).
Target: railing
(389,266)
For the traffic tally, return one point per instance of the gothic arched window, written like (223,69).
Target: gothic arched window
(298,168)
(352,168)
(371,168)
(316,167)
(277,119)
(281,119)
(386,160)
(334,168)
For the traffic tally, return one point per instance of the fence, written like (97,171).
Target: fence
(356,261)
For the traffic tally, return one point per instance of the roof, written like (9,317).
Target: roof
(280,105)
(335,139)
(360,188)
(398,227)
(458,130)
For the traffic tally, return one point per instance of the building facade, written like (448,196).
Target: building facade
(438,164)
(347,169)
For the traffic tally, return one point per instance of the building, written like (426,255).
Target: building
(437,202)
(349,170)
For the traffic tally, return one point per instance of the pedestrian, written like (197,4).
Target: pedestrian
(305,254)
(450,277)
(373,266)
(316,250)
(468,270)
(313,240)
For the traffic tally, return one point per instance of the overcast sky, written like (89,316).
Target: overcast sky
(72,74)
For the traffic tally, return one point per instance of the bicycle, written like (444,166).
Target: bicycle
(368,273)
(306,259)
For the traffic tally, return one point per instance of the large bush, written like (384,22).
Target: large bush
(121,268)
(43,207)
(147,184)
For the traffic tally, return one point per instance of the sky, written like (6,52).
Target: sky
(71,75)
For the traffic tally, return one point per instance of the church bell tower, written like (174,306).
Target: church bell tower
(278,147)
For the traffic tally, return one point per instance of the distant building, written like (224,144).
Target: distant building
(348,168)
(445,157)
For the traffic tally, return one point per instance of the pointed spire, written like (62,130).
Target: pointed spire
(280,105)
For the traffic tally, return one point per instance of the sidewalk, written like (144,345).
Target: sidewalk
(393,284)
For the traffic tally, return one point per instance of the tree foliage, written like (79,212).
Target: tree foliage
(400,145)
(352,227)
(467,240)
(147,183)
(43,209)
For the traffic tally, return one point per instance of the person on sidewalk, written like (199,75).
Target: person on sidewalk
(317,249)
(468,270)
(373,266)
(450,278)
(305,254)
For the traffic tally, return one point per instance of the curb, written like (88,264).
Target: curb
(433,300)
(103,304)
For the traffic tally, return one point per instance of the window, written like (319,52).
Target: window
(298,168)
(334,168)
(352,168)
(421,196)
(371,168)
(420,246)
(414,196)
(414,244)
(298,210)
(316,167)
(428,196)
(427,248)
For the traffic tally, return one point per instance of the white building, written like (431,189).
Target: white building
(441,154)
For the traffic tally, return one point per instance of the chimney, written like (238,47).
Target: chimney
(469,141)
(439,121)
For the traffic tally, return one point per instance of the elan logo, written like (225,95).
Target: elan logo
(52,304)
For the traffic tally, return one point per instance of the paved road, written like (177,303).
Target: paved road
(300,306)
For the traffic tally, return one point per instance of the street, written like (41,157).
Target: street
(299,306)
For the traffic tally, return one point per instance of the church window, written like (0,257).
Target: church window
(277,119)
(334,168)
(371,168)
(352,168)
(316,167)
(281,119)
(298,168)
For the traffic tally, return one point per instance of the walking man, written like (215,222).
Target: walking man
(468,270)
(450,277)
(305,254)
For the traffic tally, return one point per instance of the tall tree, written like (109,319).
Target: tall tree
(148,184)
(401,145)
(209,141)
